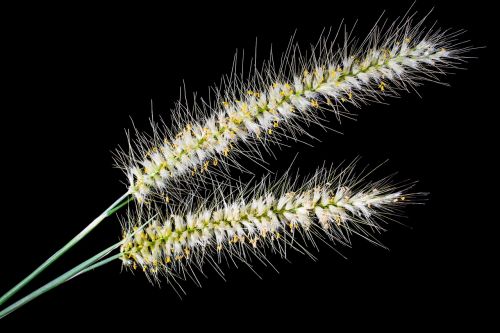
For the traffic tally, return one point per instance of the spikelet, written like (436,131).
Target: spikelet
(275,104)
(248,223)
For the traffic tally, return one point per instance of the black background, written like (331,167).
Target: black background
(74,76)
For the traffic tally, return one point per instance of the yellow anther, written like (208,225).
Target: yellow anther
(167,199)
(275,124)
(225,104)
(205,165)
(215,162)
(314,103)
(282,93)
(278,235)
(337,219)
(257,94)
(168,260)
(306,72)
(187,252)
(235,239)
(134,266)
(407,40)
(250,92)
(403,198)
(328,101)
(254,241)
(275,84)
(226,151)
(219,247)
(381,85)
(343,99)
(291,225)
(270,131)
(349,95)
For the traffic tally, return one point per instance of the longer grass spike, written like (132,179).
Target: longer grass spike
(274,104)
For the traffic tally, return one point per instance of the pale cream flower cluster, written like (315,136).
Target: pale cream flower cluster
(276,104)
(329,206)
(277,108)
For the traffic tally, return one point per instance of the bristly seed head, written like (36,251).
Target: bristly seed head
(330,206)
(271,104)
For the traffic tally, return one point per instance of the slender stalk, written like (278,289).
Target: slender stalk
(97,265)
(61,279)
(86,266)
(119,203)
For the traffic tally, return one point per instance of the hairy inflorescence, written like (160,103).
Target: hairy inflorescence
(216,220)
(249,222)
(275,103)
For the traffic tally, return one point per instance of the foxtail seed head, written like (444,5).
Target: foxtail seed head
(330,206)
(274,105)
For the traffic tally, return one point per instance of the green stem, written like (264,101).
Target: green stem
(83,267)
(109,211)
(119,206)
(98,264)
